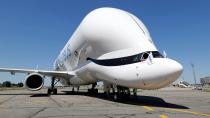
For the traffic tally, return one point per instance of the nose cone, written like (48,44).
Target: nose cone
(177,68)
(174,70)
(168,72)
(161,73)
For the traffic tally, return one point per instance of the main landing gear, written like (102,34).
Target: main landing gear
(73,90)
(93,91)
(135,92)
(122,93)
(119,92)
(52,89)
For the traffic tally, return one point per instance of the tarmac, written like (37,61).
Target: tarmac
(165,103)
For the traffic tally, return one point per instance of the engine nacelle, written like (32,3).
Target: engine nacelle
(34,82)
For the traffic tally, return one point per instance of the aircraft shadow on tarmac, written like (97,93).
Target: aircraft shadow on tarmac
(139,100)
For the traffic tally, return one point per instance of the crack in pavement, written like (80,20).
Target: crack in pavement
(109,102)
(70,105)
(128,116)
(122,116)
(50,98)
(57,103)
(8,99)
(36,113)
(108,116)
(93,116)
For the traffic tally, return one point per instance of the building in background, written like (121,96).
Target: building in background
(205,81)
(184,84)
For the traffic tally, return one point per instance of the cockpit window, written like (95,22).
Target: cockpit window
(126,60)
(144,56)
(156,54)
(137,58)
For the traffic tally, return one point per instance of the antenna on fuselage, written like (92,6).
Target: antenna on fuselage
(150,58)
(37,67)
(164,54)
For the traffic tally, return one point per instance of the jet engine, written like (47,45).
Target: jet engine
(34,82)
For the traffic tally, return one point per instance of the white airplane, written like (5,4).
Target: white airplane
(112,46)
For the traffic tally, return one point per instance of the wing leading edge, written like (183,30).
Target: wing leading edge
(57,74)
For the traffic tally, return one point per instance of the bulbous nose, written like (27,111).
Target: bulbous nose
(161,73)
(174,70)
(178,69)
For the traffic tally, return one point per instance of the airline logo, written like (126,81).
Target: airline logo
(65,55)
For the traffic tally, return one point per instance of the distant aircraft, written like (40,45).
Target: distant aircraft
(112,46)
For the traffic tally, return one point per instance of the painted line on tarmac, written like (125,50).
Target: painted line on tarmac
(148,108)
(152,109)
(177,110)
(189,112)
(163,116)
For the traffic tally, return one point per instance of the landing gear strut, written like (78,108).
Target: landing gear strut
(122,93)
(93,91)
(118,92)
(52,89)
(73,89)
(135,92)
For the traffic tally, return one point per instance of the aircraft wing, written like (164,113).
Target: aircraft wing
(58,74)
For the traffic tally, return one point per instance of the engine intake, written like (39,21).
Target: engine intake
(34,82)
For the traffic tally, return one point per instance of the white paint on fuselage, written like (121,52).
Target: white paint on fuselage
(107,33)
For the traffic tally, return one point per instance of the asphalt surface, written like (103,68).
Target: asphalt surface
(149,104)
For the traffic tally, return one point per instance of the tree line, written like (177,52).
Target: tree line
(10,84)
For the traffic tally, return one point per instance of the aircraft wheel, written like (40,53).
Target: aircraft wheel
(89,91)
(115,97)
(73,89)
(49,91)
(92,91)
(55,91)
(95,91)
(127,94)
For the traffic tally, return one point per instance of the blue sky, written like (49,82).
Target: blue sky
(33,32)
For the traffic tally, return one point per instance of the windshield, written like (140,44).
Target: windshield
(126,60)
